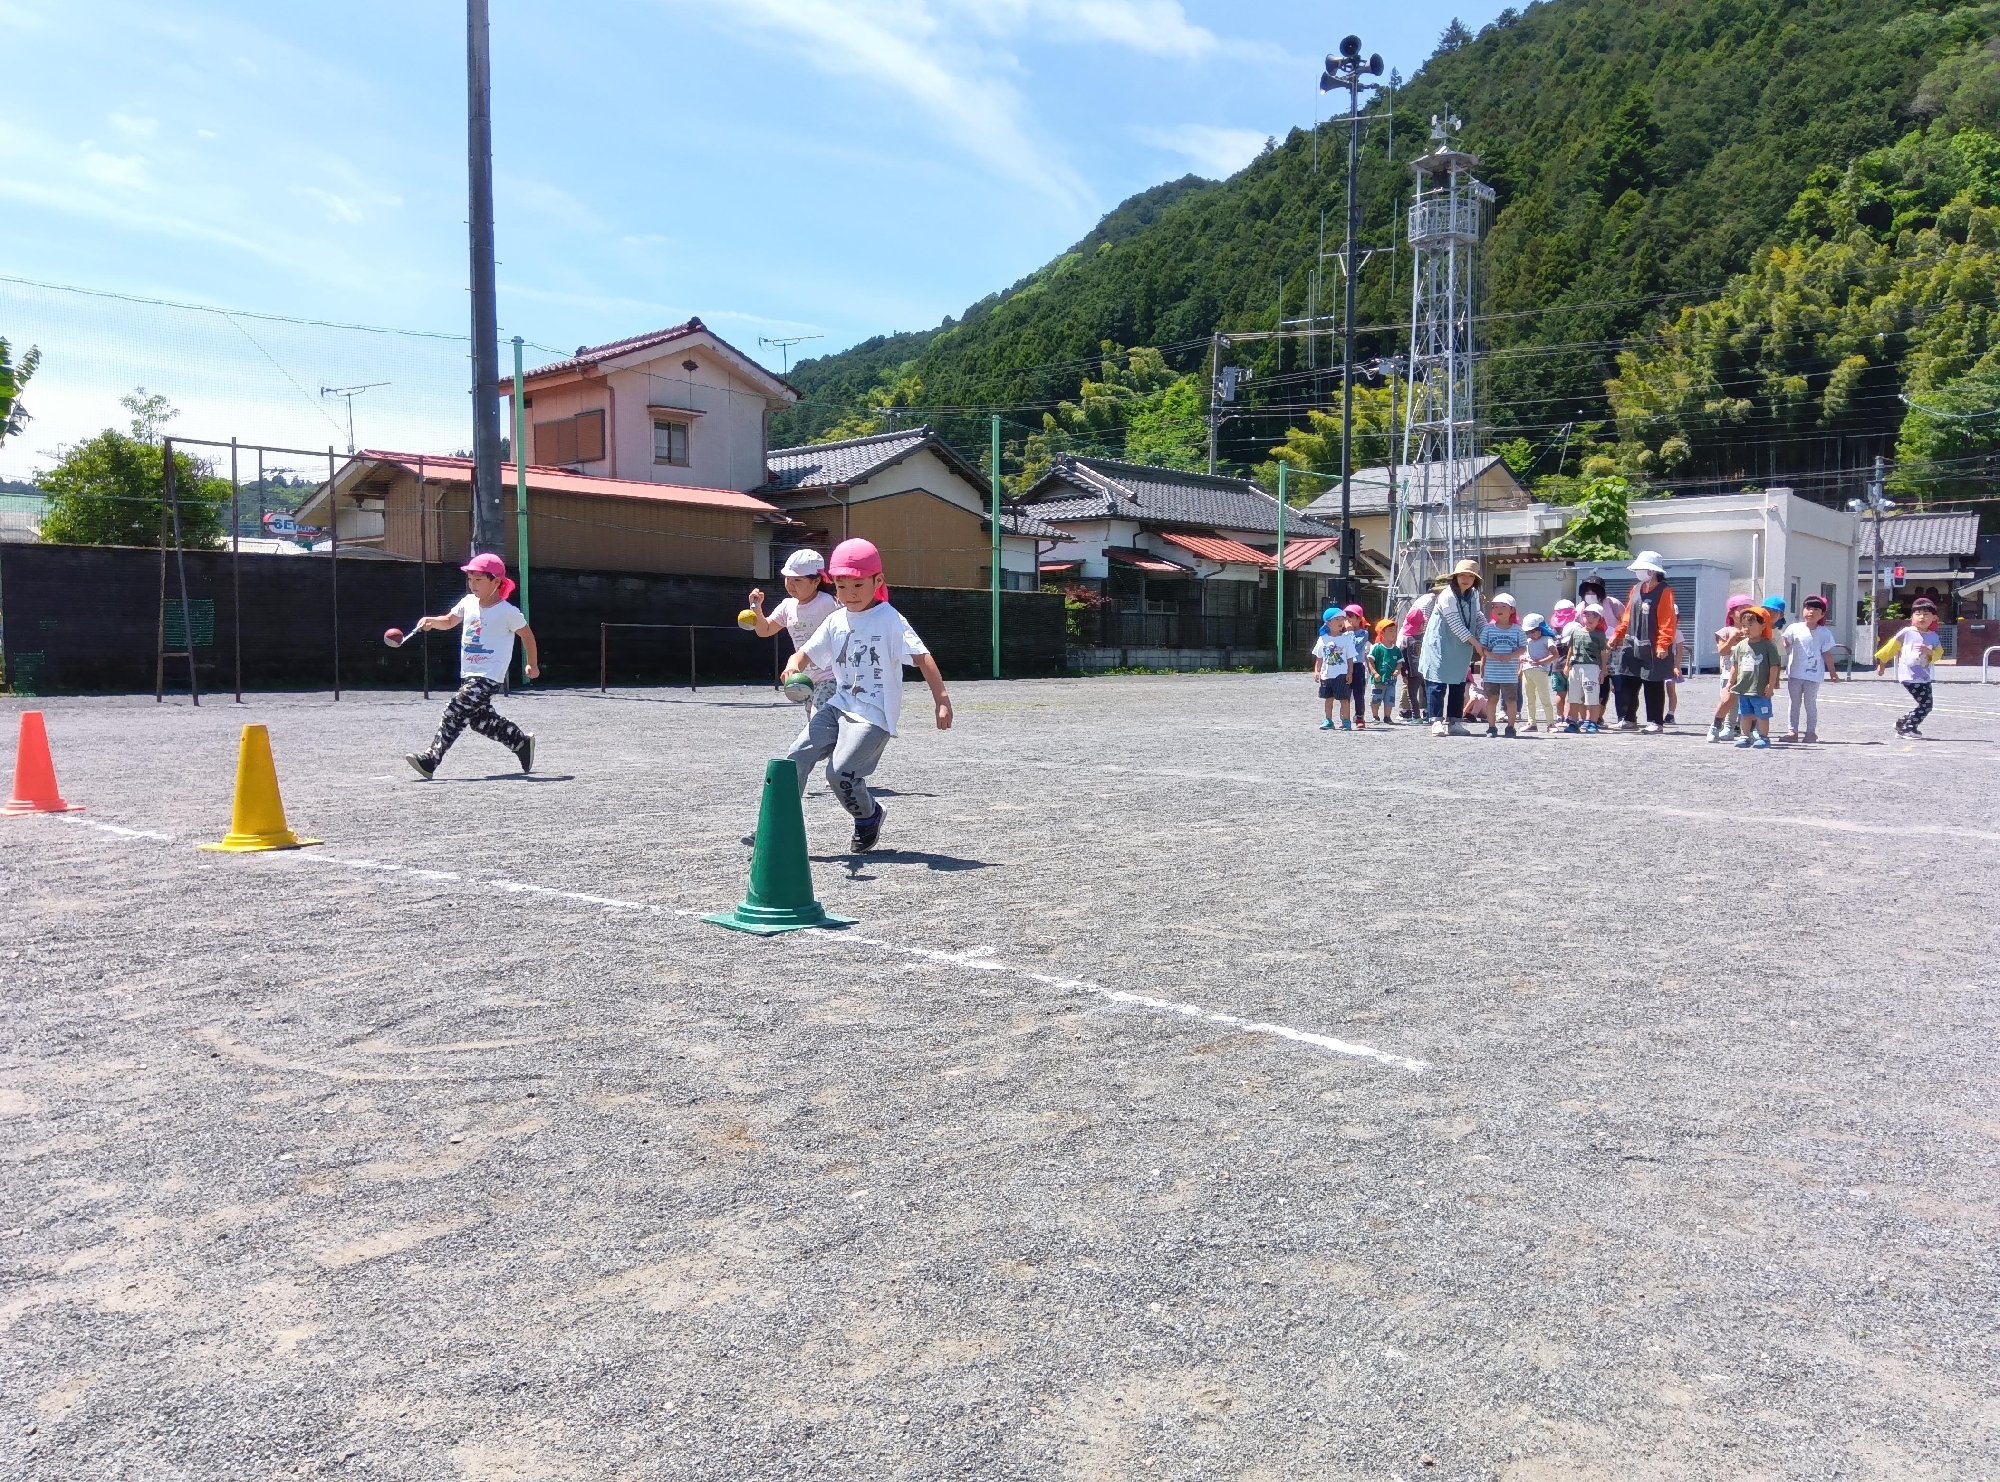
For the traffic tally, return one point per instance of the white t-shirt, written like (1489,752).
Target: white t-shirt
(1806,651)
(1918,652)
(866,652)
(803,621)
(486,637)
(1333,660)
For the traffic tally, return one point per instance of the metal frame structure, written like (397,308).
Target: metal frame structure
(604,649)
(1434,526)
(170,525)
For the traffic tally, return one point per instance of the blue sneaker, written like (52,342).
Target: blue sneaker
(1762,743)
(1590,728)
(1327,724)
(1744,742)
(1347,725)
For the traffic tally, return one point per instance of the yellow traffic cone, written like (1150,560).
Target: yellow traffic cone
(258,820)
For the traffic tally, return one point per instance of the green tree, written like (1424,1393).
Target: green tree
(1601,529)
(896,390)
(1313,451)
(1889,289)
(111,490)
(14,416)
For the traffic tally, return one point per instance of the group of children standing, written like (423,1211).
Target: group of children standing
(1553,669)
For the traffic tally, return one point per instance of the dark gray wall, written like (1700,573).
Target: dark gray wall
(84,619)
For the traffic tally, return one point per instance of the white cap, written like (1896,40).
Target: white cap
(1503,599)
(804,563)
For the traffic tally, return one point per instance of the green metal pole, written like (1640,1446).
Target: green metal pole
(521,485)
(1281,563)
(996,547)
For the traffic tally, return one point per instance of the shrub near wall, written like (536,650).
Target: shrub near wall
(85,619)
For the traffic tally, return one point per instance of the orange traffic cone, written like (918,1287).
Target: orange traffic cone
(35,772)
(258,821)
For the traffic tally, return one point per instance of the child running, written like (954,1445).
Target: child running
(1756,664)
(1914,649)
(1503,641)
(1808,646)
(865,645)
(805,607)
(485,649)
(1384,659)
(1726,638)
(1330,669)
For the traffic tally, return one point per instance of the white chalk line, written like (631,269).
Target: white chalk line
(1544,800)
(969,959)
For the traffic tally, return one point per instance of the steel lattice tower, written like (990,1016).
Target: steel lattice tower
(1436,523)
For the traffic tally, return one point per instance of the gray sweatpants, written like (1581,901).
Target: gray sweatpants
(851,750)
(1804,692)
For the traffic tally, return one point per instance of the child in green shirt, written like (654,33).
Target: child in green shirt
(1757,663)
(1383,661)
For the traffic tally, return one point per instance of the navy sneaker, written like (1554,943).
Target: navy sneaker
(422,765)
(526,752)
(866,832)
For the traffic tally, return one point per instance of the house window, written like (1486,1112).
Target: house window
(578,439)
(670,442)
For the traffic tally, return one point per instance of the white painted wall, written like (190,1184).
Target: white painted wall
(725,442)
(1771,540)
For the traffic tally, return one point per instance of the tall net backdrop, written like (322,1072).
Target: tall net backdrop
(262,378)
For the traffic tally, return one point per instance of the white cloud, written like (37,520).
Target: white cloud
(1218,153)
(901,46)
(339,209)
(127,170)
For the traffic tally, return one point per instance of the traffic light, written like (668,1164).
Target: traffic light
(1896,575)
(1351,539)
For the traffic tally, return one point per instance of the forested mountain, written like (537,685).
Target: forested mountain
(1645,152)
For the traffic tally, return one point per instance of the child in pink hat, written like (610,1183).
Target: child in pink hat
(865,643)
(488,624)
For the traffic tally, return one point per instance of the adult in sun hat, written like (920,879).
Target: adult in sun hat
(1642,645)
(488,625)
(1451,643)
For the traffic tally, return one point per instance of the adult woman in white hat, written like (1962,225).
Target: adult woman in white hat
(1451,642)
(1642,645)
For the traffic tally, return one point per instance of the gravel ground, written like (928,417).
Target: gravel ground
(1675,1157)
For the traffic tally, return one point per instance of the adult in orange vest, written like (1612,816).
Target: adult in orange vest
(1642,645)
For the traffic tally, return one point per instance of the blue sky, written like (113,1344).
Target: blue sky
(780,167)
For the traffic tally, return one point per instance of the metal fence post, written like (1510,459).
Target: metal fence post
(236,563)
(333,563)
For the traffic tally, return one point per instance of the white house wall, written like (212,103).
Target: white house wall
(725,443)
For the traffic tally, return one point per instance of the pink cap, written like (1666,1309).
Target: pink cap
(488,564)
(858,558)
(1733,603)
(1353,609)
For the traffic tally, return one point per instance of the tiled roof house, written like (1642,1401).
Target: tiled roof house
(926,508)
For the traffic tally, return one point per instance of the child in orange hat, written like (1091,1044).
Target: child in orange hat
(1384,659)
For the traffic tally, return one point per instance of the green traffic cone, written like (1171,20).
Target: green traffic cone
(781,887)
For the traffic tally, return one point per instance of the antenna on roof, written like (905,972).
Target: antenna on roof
(785,344)
(349,393)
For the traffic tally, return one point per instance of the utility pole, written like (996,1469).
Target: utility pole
(486,529)
(1214,378)
(1347,71)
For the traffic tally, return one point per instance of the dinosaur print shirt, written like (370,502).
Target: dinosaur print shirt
(866,652)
